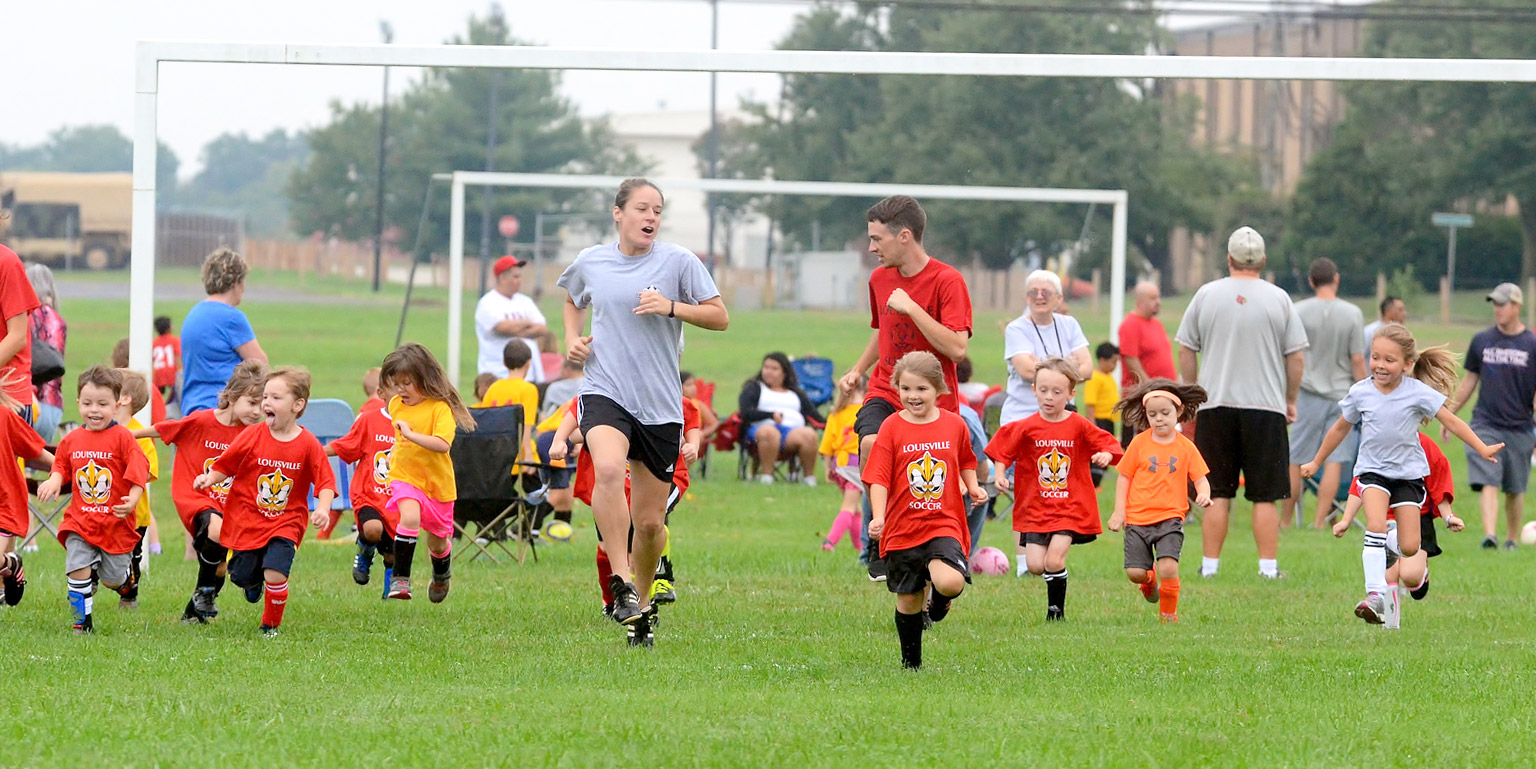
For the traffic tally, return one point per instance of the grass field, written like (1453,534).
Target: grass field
(777,654)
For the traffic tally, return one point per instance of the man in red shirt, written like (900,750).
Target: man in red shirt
(916,302)
(17,301)
(1145,350)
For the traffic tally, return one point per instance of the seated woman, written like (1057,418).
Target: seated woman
(776,412)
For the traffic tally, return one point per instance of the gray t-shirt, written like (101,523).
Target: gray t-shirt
(1389,426)
(1368,335)
(1060,339)
(1243,328)
(1335,334)
(634,357)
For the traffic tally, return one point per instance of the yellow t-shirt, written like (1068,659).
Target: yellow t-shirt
(147,445)
(511,392)
(1102,394)
(552,423)
(426,470)
(839,440)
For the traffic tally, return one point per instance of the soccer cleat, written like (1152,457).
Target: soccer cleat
(400,589)
(1054,614)
(1371,609)
(253,594)
(202,603)
(1489,543)
(268,631)
(190,616)
(13,577)
(626,603)
(361,563)
(938,606)
(607,611)
(1509,544)
(437,589)
(1278,575)
(1149,590)
(1422,590)
(1168,619)
(642,632)
(84,627)
(663,592)
(128,603)
(877,570)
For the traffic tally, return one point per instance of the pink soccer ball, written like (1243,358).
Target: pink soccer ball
(989,560)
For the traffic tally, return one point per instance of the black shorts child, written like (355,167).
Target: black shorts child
(1043,538)
(1401,492)
(907,569)
(871,415)
(245,568)
(368,513)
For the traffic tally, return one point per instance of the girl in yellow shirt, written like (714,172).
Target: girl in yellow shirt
(840,445)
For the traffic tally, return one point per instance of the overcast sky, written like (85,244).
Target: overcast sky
(71,62)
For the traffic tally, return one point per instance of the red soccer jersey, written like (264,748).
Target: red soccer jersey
(270,498)
(1146,340)
(102,466)
(920,466)
(367,445)
(1053,486)
(17,441)
(940,290)
(199,440)
(167,354)
(16,298)
(1439,485)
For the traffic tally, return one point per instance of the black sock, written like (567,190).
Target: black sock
(405,552)
(440,566)
(664,568)
(209,559)
(135,568)
(541,513)
(909,630)
(1056,592)
(563,515)
(938,605)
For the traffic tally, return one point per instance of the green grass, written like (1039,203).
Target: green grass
(777,654)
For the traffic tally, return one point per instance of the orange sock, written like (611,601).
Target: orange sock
(1168,596)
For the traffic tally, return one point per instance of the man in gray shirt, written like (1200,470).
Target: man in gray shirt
(1242,341)
(1335,360)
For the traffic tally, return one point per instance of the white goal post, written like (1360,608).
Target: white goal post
(151,53)
(459,180)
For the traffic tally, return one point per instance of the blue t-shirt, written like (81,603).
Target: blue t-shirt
(974,427)
(1389,426)
(1506,368)
(209,336)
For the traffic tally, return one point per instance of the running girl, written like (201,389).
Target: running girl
(840,446)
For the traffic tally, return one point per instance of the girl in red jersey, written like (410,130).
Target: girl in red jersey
(264,517)
(920,470)
(1055,446)
(368,445)
(17,441)
(107,471)
(199,439)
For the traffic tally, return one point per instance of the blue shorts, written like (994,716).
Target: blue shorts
(784,431)
(559,477)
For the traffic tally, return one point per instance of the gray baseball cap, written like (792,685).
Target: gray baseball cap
(1506,293)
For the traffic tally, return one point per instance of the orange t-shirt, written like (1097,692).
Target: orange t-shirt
(1159,474)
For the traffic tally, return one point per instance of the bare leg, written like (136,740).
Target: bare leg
(1213,527)
(1514,510)
(1266,529)
(767,438)
(610,509)
(802,440)
(1488,505)
(1289,507)
(649,513)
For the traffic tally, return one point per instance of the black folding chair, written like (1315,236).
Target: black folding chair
(486,470)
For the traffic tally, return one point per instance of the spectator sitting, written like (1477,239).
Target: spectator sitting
(776,412)
(562,389)
(973,393)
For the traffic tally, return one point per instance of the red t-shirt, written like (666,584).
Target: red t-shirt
(691,421)
(156,406)
(167,353)
(920,465)
(17,441)
(1146,340)
(16,298)
(101,466)
(940,290)
(1439,485)
(270,498)
(199,440)
(1053,486)
(367,445)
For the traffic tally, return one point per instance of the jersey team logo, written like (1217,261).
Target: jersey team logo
(272,492)
(1054,469)
(94,483)
(220,489)
(926,477)
(381,468)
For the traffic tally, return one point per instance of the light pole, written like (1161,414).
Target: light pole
(714,129)
(378,203)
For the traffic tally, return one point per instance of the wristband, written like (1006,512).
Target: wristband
(672,313)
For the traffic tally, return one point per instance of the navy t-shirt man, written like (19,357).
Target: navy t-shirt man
(1503,361)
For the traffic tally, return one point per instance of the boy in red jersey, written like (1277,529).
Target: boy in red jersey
(920,472)
(916,302)
(107,471)
(264,518)
(17,441)
(367,445)
(165,358)
(1055,446)
(199,440)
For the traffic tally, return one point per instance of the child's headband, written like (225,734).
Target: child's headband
(1178,404)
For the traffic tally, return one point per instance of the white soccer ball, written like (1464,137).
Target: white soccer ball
(1528,534)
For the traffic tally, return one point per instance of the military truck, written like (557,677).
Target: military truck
(68,219)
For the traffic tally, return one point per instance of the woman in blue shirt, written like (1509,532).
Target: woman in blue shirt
(216,337)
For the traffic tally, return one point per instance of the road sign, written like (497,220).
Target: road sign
(1451,220)
(508,226)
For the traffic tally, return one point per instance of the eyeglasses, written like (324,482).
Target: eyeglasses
(1043,293)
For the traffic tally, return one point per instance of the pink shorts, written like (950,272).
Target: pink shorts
(436,516)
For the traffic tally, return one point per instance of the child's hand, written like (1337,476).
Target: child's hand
(1101,459)
(978,494)
(318,518)
(690,454)
(1491,453)
(1340,527)
(1116,521)
(201,482)
(48,490)
(1203,500)
(1454,523)
(558,450)
(831,472)
(403,427)
(876,525)
(124,509)
(1003,484)
(1309,469)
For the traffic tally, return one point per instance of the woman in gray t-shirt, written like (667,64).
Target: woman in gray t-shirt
(630,407)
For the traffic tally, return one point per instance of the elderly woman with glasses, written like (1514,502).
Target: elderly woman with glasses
(1040,333)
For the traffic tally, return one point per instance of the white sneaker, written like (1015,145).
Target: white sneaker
(809,481)
(766,480)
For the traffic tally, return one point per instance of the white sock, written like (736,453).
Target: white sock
(1270,567)
(1392,542)
(1394,618)
(1023,566)
(1208,566)
(1374,559)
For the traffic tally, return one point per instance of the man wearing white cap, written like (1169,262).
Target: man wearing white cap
(506,313)
(1242,340)
(1502,359)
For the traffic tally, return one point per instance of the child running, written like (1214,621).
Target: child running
(200,438)
(1056,447)
(268,505)
(107,472)
(17,441)
(1391,467)
(840,446)
(1152,493)
(135,398)
(1101,393)
(368,445)
(426,411)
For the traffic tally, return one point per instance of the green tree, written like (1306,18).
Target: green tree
(96,148)
(249,175)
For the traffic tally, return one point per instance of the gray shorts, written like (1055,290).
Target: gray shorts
(79,554)
(1512,473)
(1314,415)
(1166,537)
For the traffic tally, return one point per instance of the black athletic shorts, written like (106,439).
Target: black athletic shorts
(907,569)
(1043,538)
(872,415)
(1401,492)
(655,446)
(245,569)
(1251,443)
(200,524)
(370,513)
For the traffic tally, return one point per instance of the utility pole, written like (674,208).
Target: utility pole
(714,128)
(378,203)
(498,29)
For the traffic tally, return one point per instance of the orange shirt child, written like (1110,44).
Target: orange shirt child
(1159,475)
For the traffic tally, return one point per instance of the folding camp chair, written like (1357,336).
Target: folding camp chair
(329,419)
(45,520)
(1340,499)
(706,391)
(486,470)
(817,378)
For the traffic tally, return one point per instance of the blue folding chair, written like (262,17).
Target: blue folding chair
(817,378)
(329,419)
